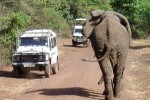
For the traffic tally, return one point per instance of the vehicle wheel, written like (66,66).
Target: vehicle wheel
(16,71)
(58,66)
(25,73)
(47,70)
(55,68)
(74,43)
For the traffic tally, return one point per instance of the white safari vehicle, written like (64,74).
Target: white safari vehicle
(36,50)
(77,36)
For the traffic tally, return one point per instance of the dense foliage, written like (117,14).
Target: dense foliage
(19,15)
(138,14)
(15,22)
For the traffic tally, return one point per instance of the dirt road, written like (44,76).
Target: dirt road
(77,80)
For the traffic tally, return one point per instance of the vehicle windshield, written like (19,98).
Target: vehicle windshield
(80,21)
(28,41)
(78,30)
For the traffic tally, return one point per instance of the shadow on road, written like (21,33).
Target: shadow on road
(78,46)
(140,47)
(70,91)
(31,75)
(67,45)
(6,73)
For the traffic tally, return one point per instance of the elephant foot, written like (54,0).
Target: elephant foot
(104,92)
(117,95)
(109,97)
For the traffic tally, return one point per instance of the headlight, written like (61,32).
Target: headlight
(16,58)
(41,58)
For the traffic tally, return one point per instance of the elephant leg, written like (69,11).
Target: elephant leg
(100,82)
(104,92)
(118,73)
(107,75)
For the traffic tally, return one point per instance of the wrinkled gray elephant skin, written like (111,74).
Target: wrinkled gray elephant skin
(110,36)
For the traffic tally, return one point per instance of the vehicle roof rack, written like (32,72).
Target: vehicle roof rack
(81,19)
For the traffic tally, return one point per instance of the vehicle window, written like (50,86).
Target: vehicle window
(28,41)
(80,22)
(52,43)
(77,30)
(50,46)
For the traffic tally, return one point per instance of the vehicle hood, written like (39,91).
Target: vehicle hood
(32,49)
(77,34)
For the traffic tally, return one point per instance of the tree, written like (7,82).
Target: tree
(15,23)
(132,9)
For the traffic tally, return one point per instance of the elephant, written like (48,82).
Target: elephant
(110,36)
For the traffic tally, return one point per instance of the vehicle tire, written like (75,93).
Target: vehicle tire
(74,43)
(25,73)
(58,66)
(48,71)
(16,72)
(55,68)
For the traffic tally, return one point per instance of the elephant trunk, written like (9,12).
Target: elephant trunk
(105,55)
(109,44)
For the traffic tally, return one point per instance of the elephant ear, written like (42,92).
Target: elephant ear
(96,16)
(97,13)
(92,22)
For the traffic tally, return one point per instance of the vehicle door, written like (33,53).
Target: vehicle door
(53,50)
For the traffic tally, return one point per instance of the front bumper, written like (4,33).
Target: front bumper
(79,39)
(30,64)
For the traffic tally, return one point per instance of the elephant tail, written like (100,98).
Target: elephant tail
(105,55)
(101,80)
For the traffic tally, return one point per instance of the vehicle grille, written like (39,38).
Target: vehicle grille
(79,37)
(29,58)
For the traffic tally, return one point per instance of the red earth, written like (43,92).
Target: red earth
(76,79)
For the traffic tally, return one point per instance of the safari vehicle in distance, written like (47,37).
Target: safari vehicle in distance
(36,50)
(77,36)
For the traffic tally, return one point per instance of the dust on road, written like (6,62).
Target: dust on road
(137,74)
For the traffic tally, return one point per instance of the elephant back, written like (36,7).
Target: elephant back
(118,34)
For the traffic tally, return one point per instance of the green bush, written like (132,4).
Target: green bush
(54,20)
(137,14)
(15,23)
(17,15)
(145,25)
